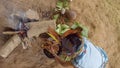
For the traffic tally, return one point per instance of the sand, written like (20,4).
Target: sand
(102,17)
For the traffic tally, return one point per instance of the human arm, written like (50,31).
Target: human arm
(59,60)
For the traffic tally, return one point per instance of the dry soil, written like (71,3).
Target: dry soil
(102,17)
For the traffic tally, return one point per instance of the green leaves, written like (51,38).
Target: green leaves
(62,4)
(55,17)
(62,28)
(59,5)
(84,29)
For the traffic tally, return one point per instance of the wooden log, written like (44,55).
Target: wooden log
(36,28)
(12,32)
(10,45)
(31,14)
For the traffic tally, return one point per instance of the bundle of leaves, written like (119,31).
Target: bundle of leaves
(62,4)
(62,28)
(77,25)
(48,42)
(61,7)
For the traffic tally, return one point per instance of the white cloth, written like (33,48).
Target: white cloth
(91,56)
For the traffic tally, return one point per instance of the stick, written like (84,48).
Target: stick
(12,32)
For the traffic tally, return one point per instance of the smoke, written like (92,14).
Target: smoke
(14,19)
(12,13)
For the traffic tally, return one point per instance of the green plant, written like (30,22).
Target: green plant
(62,4)
(84,29)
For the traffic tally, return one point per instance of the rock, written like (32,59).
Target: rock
(71,15)
(32,14)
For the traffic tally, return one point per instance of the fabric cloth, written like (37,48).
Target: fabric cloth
(91,56)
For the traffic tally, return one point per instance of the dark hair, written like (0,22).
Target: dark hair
(74,40)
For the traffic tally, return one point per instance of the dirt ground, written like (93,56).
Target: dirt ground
(102,17)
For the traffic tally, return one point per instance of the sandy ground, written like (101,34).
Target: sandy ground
(102,17)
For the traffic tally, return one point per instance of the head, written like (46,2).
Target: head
(70,44)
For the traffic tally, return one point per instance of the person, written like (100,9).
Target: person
(79,52)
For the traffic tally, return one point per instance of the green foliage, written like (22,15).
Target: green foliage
(62,4)
(62,28)
(59,5)
(55,17)
(84,29)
